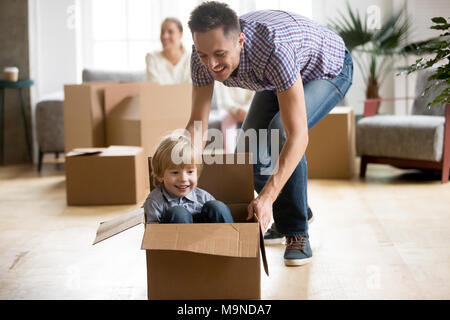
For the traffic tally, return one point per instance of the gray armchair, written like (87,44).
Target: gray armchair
(420,140)
(49,128)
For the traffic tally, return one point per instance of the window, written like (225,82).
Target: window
(117,34)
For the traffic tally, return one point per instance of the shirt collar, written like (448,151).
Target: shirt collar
(170,197)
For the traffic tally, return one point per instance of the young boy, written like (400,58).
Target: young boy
(176,198)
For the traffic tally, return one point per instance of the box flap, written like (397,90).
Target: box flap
(223,239)
(84,151)
(220,179)
(114,151)
(263,252)
(111,151)
(110,228)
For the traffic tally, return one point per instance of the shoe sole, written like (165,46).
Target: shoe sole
(274,241)
(282,239)
(299,262)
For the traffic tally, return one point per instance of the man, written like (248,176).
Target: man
(300,71)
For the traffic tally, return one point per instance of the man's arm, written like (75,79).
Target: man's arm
(201,106)
(293,116)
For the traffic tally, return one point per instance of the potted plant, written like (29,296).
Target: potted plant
(372,50)
(440,47)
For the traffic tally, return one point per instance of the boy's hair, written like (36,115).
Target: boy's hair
(211,15)
(162,159)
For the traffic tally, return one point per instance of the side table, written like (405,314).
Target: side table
(22,83)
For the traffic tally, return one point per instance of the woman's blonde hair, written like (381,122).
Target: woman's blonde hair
(174,151)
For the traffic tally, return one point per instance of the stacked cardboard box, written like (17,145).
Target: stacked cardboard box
(98,115)
(331,149)
(84,115)
(140,114)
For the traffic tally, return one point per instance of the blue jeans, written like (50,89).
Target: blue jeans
(212,211)
(321,96)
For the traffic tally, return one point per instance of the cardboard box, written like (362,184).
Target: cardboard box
(331,149)
(139,114)
(205,260)
(84,119)
(106,176)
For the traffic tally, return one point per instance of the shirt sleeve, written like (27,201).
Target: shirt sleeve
(208,196)
(199,73)
(282,69)
(152,209)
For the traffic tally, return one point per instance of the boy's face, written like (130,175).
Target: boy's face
(219,53)
(180,181)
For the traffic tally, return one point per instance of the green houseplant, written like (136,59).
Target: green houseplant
(440,47)
(372,50)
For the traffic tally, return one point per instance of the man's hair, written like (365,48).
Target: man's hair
(162,159)
(211,15)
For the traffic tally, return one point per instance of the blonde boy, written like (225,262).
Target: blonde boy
(176,197)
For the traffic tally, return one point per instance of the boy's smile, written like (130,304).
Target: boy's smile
(180,181)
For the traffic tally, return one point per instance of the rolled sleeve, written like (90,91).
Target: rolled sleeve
(282,70)
(199,73)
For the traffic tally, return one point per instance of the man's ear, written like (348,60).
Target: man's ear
(241,39)
(160,180)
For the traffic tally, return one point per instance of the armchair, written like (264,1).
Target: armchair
(420,140)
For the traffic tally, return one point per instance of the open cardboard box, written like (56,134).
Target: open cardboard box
(105,176)
(139,114)
(204,260)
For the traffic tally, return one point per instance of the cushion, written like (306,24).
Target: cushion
(407,137)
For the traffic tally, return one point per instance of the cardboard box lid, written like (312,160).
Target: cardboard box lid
(111,151)
(110,228)
(223,239)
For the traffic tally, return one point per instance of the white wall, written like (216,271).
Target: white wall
(53,51)
(325,11)
(55,45)
(56,57)
(420,13)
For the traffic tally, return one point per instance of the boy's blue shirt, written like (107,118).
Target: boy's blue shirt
(160,200)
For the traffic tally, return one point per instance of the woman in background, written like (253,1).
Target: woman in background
(172,64)
(233,103)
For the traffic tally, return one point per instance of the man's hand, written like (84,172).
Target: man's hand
(262,208)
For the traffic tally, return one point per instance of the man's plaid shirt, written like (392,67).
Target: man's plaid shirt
(278,47)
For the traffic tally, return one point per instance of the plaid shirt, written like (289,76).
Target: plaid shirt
(278,47)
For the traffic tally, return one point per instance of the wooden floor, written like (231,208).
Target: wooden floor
(387,237)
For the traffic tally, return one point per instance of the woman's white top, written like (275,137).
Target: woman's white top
(162,71)
(231,98)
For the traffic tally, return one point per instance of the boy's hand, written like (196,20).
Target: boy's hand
(261,207)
